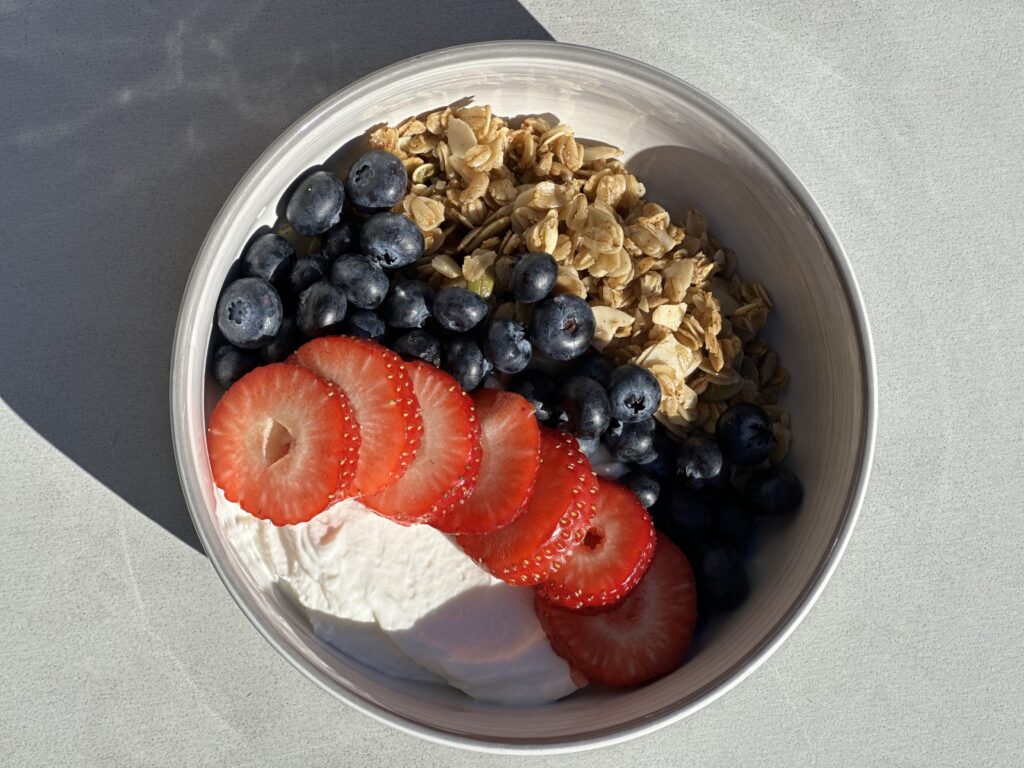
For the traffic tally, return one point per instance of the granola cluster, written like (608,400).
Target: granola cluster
(665,295)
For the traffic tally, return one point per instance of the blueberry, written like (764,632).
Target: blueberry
(687,516)
(284,343)
(745,433)
(364,324)
(630,442)
(249,312)
(507,346)
(321,309)
(409,304)
(661,461)
(701,463)
(466,363)
(315,204)
(562,326)
(420,345)
(533,277)
(364,283)
(595,365)
(644,486)
(733,525)
(589,445)
(721,579)
(774,491)
(307,270)
(634,393)
(376,181)
(458,309)
(391,240)
(583,407)
(231,363)
(539,390)
(340,239)
(269,256)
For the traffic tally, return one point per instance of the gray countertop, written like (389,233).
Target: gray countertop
(125,125)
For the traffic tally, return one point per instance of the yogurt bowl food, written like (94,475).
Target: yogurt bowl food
(688,153)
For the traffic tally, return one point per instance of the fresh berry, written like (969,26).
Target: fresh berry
(249,312)
(283,443)
(464,360)
(645,487)
(634,393)
(376,181)
(448,458)
(458,309)
(687,516)
(630,442)
(701,463)
(391,240)
(533,277)
(661,460)
(612,558)
(409,304)
(774,491)
(721,578)
(645,637)
(364,283)
(286,341)
(539,390)
(589,445)
(305,272)
(269,256)
(745,433)
(733,524)
(595,366)
(535,544)
(507,346)
(341,239)
(364,323)
(562,326)
(510,443)
(315,204)
(231,363)
(381,395)
(419,345)
(321,309)
(583,407)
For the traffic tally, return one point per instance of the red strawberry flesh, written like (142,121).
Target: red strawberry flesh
(614,555)
(510,444)
(642,638)
(448,457)
(380,391)
(283,443)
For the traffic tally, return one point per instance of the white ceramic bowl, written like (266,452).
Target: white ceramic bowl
(690,152)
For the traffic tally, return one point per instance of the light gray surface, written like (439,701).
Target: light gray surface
(124,128)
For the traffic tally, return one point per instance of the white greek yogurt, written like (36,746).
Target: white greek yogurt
(405,601)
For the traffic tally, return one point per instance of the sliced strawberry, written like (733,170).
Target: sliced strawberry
(448,458)
(510,443)
(380,392)
(644,637)
(283,443)
(614,555)
(536,543)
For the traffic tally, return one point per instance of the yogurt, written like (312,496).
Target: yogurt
(405,601)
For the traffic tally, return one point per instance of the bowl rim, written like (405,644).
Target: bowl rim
(593,57)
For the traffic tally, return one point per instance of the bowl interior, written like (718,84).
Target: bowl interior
(689,153)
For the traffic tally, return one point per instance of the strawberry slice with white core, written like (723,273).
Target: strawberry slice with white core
(642,638)
(510,443)
(614,555)
(381,394)
(447,461)
(536,543)
(283,444)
